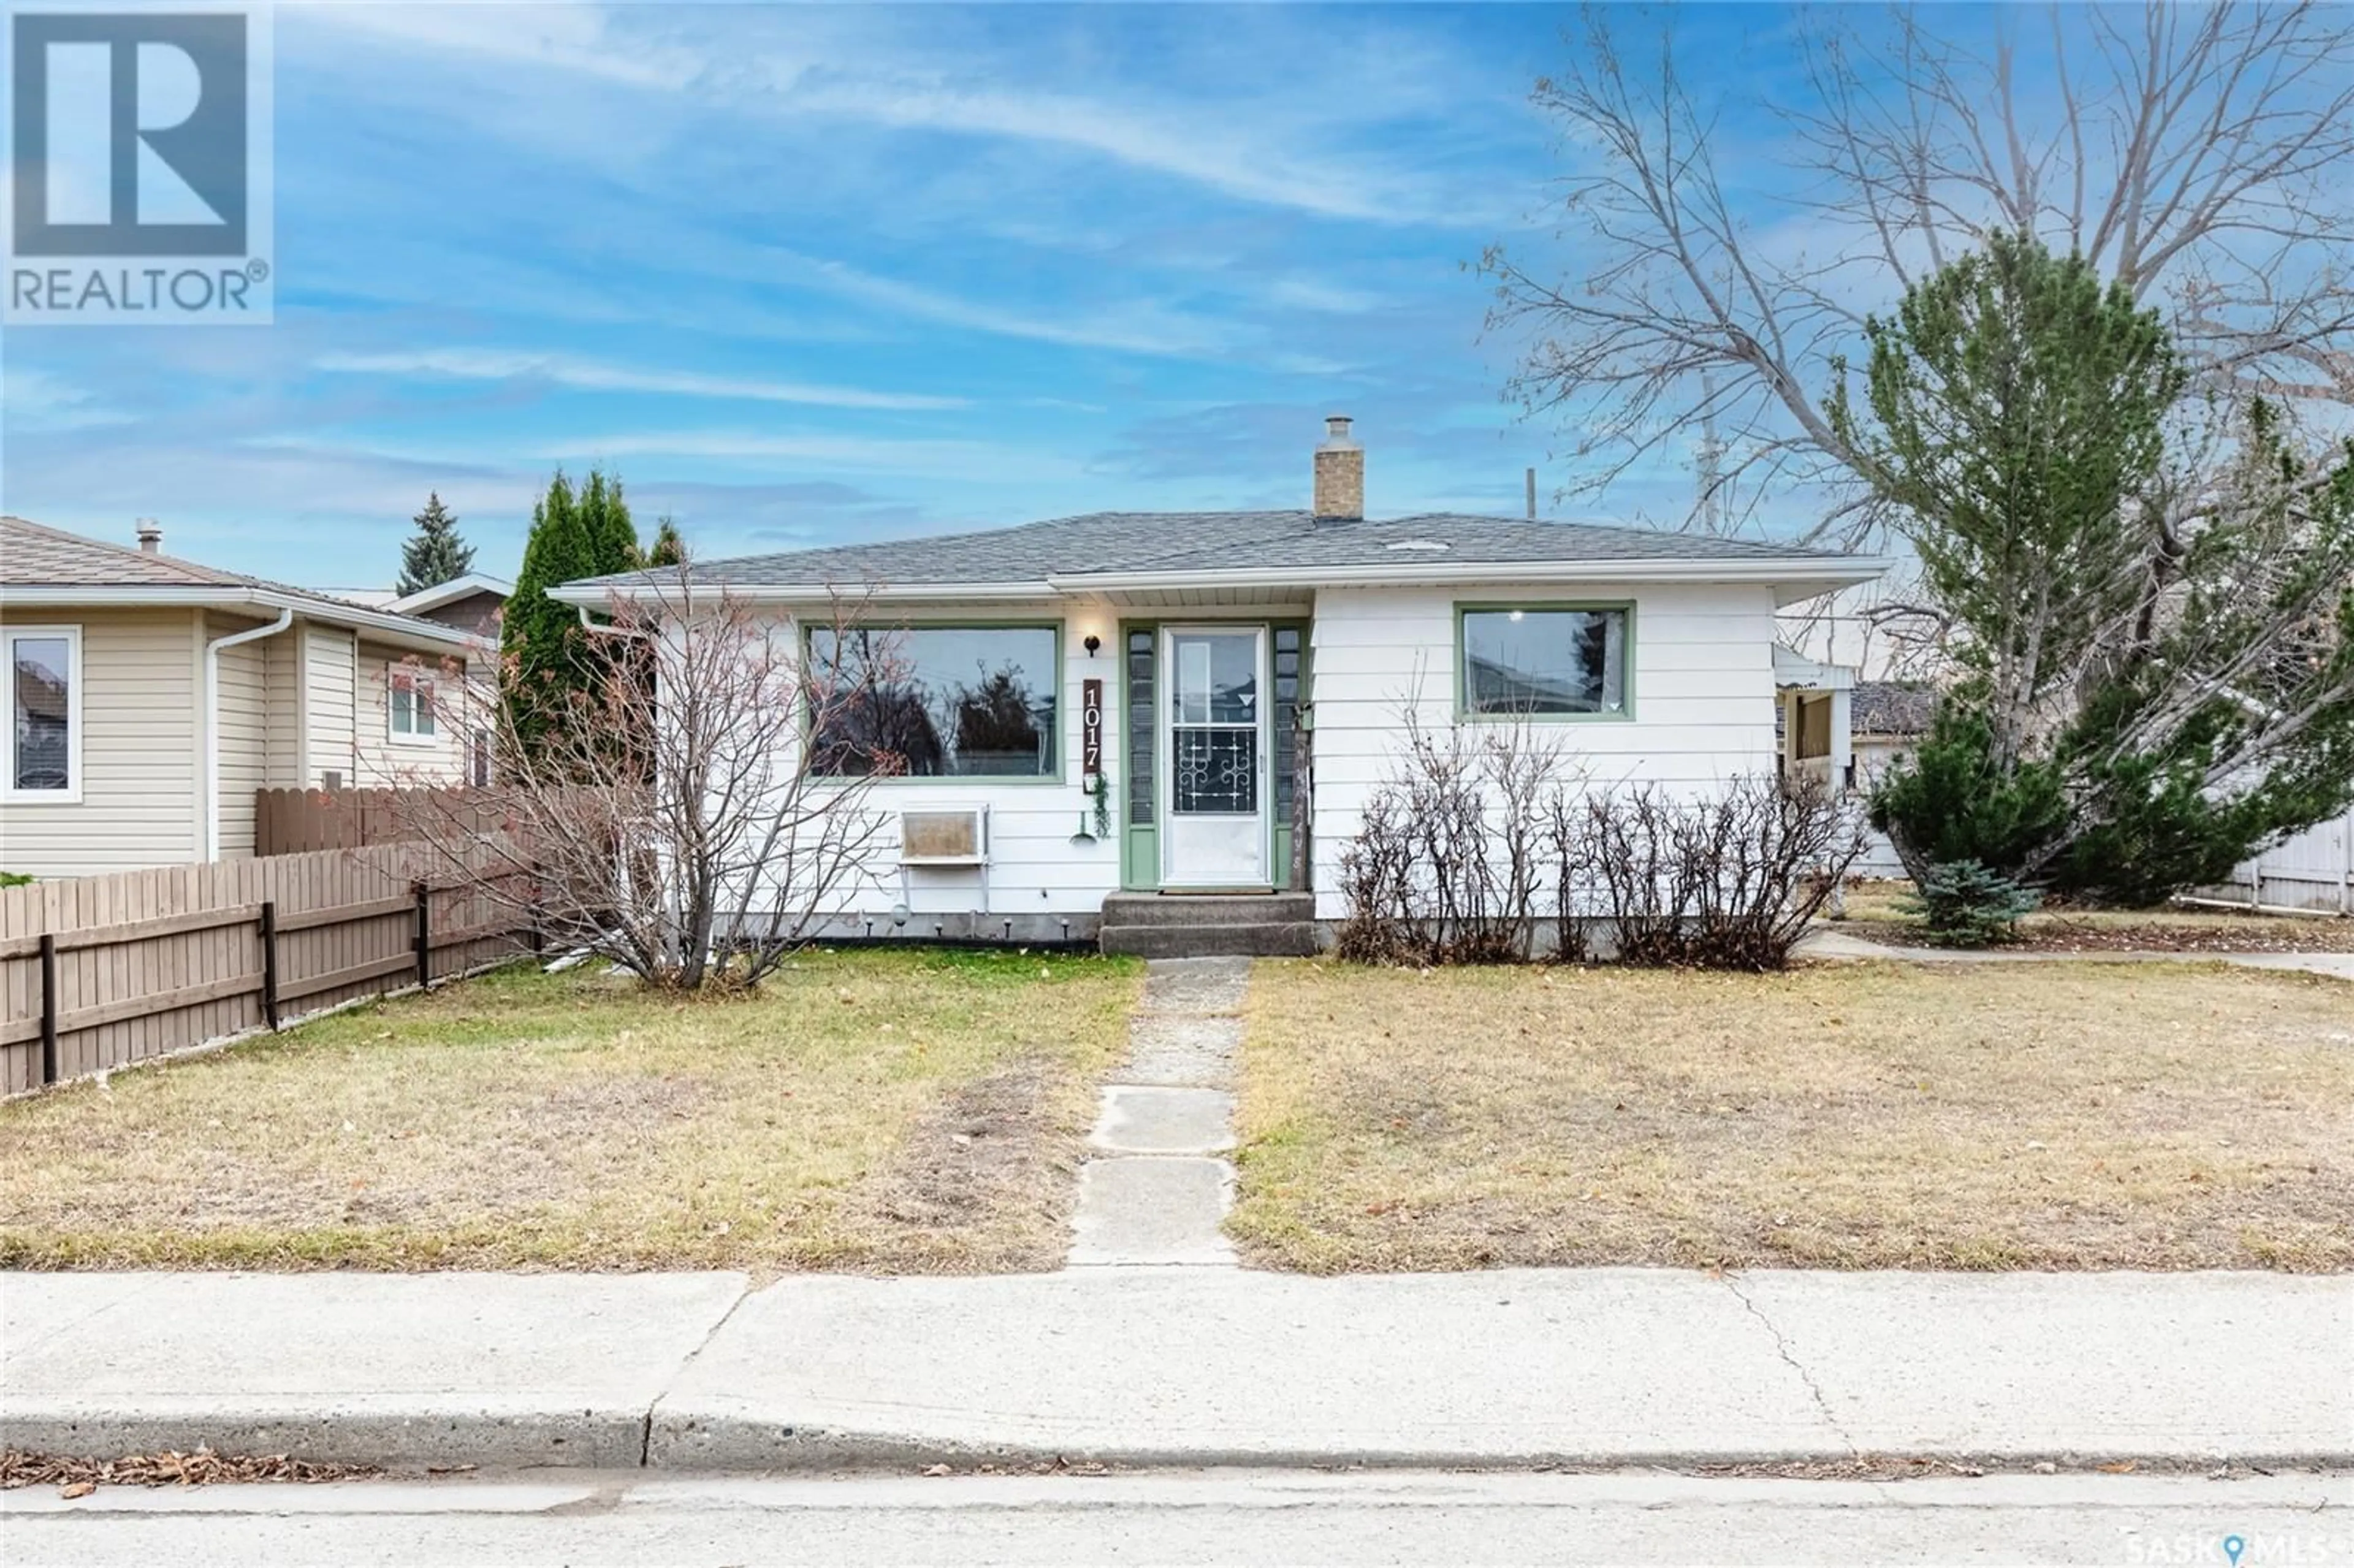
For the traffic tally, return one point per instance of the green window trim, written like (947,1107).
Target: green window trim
(1063,718)
(1465,714)
(1140,832)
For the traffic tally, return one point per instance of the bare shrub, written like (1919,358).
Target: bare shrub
(1478,831)
(1448,863)
(1728,881)
(668,816)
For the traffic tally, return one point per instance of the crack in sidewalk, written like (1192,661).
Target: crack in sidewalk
(646,1428)
(1782,1349)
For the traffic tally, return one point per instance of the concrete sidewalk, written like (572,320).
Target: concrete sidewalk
(1183,1366)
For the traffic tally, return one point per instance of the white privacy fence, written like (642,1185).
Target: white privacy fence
(2313,870)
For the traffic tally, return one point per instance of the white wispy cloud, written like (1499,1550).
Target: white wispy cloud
(970,460)
(1186,147)
(1321,294)
(1288,144)
(35,400)
(593,376)
(1143,327)
(963,460)
(578,38)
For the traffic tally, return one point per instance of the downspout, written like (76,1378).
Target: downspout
(212,721)
(589,625)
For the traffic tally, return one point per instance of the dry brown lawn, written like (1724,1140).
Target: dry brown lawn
(2020,1115)
(890,1111)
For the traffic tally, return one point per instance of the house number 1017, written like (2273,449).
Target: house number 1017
(1091,728)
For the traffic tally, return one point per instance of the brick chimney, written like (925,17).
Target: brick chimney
(150,535)
(1340,474)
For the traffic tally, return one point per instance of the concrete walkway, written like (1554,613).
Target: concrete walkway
(1158,1188)
(1830,942)
(1183,1366)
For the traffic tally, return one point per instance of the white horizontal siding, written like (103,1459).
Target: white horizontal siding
(1703,712)
(1701,684)
(1034,870)
(140,708)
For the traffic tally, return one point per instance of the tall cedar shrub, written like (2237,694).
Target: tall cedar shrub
(547,652)
(605,517)
(435,553)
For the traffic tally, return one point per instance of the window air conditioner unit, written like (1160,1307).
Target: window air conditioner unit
(944,838)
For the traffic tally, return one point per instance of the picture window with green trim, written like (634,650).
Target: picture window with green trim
(935,702)
(1544,661)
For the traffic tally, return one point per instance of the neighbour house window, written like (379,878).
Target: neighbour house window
(44,746)
(935,702)
(412,708)
(1544,661)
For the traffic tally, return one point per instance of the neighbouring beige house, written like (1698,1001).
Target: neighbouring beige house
(150,698)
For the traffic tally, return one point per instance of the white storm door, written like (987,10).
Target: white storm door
(1214,831)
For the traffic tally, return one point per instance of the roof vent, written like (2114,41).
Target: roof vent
(1435,545)
(151,536)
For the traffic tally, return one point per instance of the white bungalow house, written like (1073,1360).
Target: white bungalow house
(1240,682)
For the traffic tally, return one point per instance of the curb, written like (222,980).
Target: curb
(417,1439)
(725,1443)
(392,1437)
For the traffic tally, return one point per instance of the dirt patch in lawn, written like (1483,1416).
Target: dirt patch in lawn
(2044,1116)
(985,1178)
(872,1110)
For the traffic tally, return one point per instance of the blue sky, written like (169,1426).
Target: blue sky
(803,275)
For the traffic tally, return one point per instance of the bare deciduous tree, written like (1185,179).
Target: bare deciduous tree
(673,821)
(2198,153)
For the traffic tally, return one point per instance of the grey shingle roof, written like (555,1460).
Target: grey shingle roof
(1125,542)
(1891,709)
(35,556)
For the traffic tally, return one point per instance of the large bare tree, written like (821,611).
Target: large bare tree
(670,815)
(2203,155)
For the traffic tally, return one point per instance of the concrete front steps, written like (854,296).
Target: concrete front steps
(1210,925)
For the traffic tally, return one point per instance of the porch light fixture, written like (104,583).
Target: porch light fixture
(1092,642)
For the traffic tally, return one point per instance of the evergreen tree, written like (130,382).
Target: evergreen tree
(437,554)
(2141,701)
(542,641)
(669,549)
(605,521)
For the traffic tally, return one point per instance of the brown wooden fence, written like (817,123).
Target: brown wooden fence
(100,971)
(298,822)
